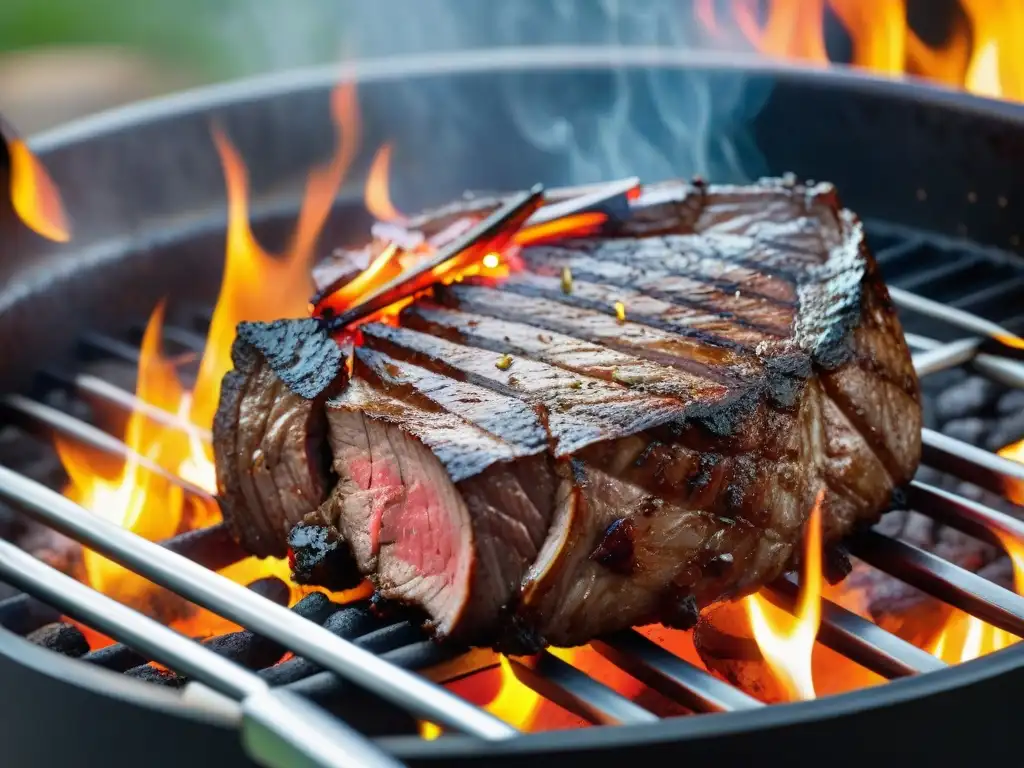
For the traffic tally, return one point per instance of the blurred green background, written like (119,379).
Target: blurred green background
(63,58)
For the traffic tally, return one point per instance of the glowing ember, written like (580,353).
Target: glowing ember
(1014,490)
(377,195)
(787,642)
(580,225)
(981,53)
(34,196)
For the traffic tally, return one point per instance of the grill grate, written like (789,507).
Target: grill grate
(354,645)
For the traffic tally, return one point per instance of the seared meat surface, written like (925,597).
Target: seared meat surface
(273,466)
(530,468)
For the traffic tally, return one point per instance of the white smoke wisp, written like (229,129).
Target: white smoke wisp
(655,123)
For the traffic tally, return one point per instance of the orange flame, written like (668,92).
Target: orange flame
(981,53)
(787,644)
(377,195)
(123,500)
(256,286)
(965,637)
(34,196)
(1014,489)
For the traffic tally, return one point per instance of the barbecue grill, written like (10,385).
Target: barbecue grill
(933,173)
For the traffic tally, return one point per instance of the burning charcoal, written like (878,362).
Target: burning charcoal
(213,546)
(357,623)
(150,674)
(115,657)
(1011,403)
(934,384)
(22,614)
(918,530)
(970,397)
(257,652)
(999,571)
(64,638)
(1007,431)
(318,555)
(963,550)
(273,589)
(971,430)
(242,647)
(365,712)
(725,642)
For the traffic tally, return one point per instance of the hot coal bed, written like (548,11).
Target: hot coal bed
(932,173)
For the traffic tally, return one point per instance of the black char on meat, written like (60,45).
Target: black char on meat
(529,468)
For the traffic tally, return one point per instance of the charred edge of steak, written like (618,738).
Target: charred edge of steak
(319,556)
(300,352)
(831,296)
(309,365)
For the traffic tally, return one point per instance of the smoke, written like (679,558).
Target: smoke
(652,122)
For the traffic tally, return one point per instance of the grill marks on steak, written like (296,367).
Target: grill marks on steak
(445,490)
(272,464)
(624,472)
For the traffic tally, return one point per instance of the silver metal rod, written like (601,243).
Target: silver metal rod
(938,357)
(88,384)
(950,583)
(856,638)
(976,465)
(36,416)
(965,515)
(958,317)
(674,678)
(571,689)
(290,731)
(223,596)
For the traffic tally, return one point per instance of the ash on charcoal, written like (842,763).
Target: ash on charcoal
(936,383)
(971,397)
(969,429)
(1008,430)
(1011,403)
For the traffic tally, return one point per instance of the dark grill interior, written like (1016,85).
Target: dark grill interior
(959,491)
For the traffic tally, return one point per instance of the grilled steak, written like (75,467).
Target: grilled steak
(529,467)
(273,466)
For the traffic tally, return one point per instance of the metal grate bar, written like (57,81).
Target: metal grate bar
(672,677)
(47,422)
(98,345)
(950,583)
(951,315)
(858,639)
(579,693)
(975,465)
(965,515)
(88,385)
(282,730)
(938,357)
(248,609)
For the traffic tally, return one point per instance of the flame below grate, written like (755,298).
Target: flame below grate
(155,480)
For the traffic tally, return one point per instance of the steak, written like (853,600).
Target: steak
(528,466)
(269,434)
